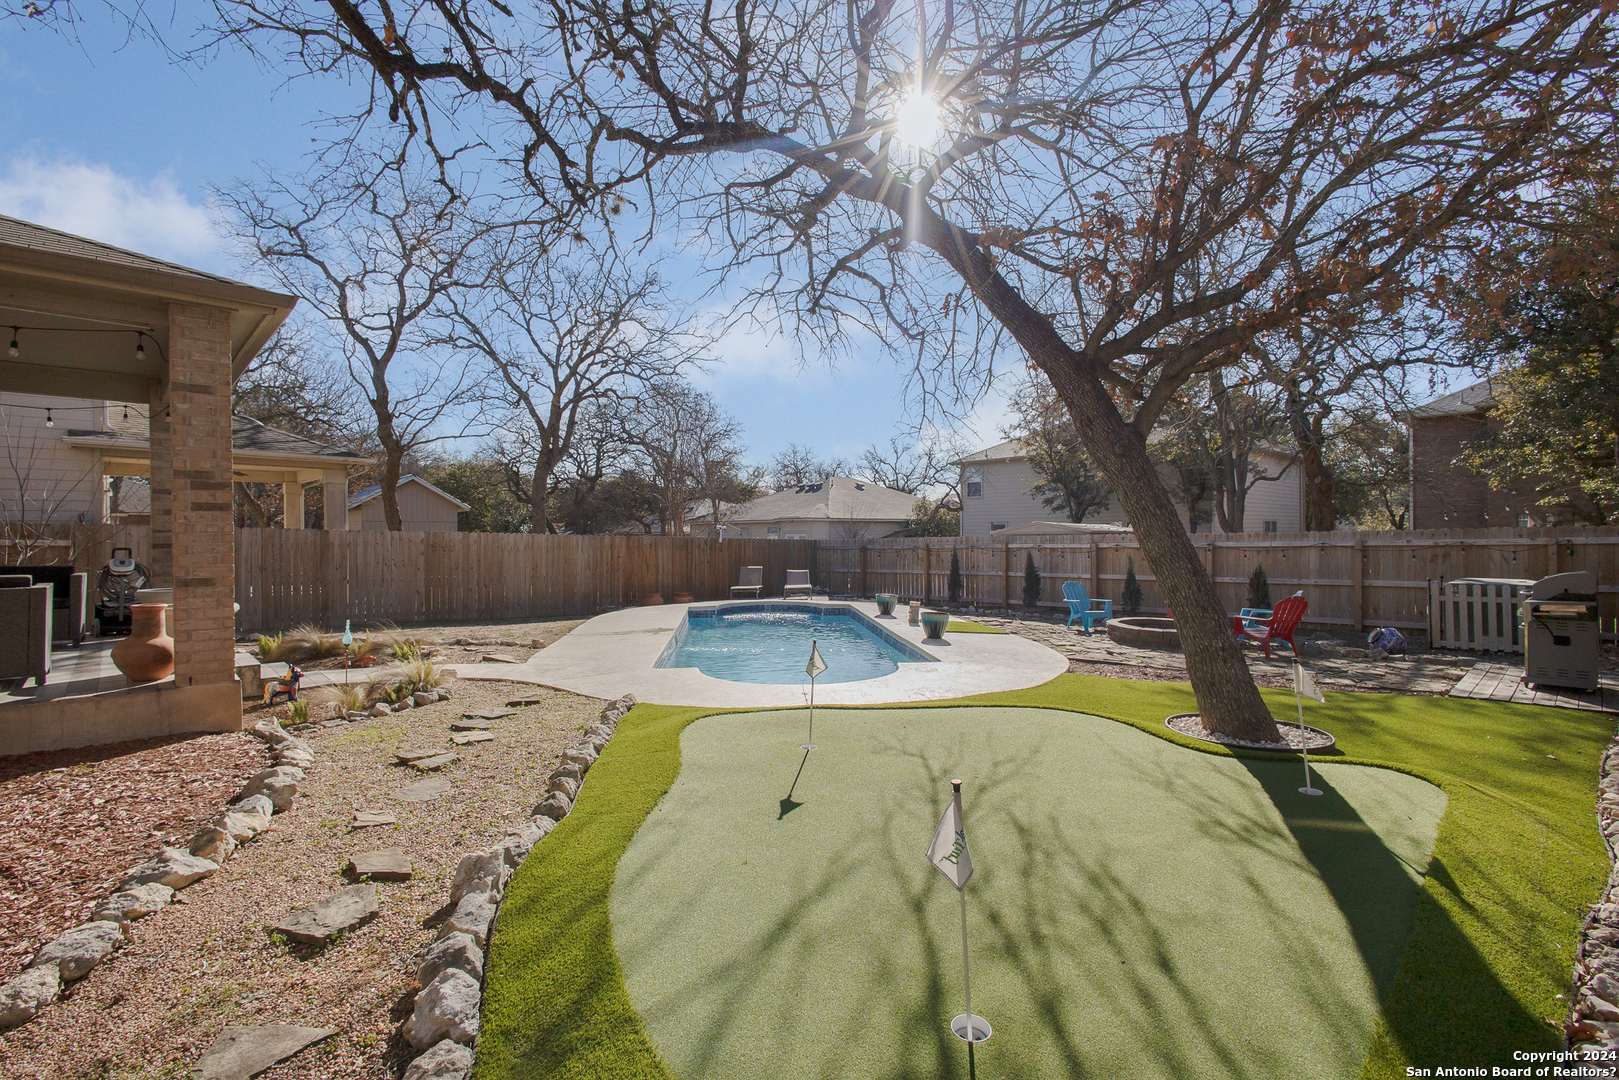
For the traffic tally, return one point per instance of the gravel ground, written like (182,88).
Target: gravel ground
(207,961)
(512,639)
(73,821)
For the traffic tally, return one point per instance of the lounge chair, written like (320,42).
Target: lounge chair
(749,581)
(1083,608)
(1279,627)
(798,584)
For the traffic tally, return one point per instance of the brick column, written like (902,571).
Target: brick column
(161,474)
(204,542)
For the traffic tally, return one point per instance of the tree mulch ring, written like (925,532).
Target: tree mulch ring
(1294,738)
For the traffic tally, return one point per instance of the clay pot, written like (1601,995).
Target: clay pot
(651,599)
(682,597)
(147,654)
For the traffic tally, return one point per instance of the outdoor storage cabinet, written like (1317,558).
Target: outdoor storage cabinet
(1476,613)
(1562,637)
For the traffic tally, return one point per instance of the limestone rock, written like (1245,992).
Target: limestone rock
(174,867)
(380,709)
(473,916)
(459,951)
(584,759)
(23,997)
(447,1008)
(387,864)
(337,914)
(242,827)
(443,693)
(279,785)
(366,818)
(480,870)
(254,804)
(424,697)
(567,785)
(271,732)
(80,949)
(136,903)
(300,759)
(554,806)
(520,840)
(437,761)
(212,842)
(405,757)
(403,705)
(446,1060)
(241,1052)
(470,724)
(598,731)
(463,738)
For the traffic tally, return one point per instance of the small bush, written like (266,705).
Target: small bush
(299,712)
(343,699)
(1130,598)
(299,645)
(1258,590)
(269,645)
(955,577)
(1031,581)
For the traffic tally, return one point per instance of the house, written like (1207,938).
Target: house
(997,492)
(73,460)
(422,507)
(1444,493)
(839,508)
(149,333)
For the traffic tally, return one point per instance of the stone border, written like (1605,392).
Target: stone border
(1191,725)
(443,1024)
(1593,1024)
(148,887)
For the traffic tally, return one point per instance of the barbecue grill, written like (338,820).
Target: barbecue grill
(1561,632)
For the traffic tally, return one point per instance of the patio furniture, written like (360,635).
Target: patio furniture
(1279,627)
(25,629)
(67,601)
(1250,617)
(749,581)
(1082,607)
(798,584)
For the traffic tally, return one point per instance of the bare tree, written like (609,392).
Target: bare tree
(691,451)
(561,337)
(1069,481)
(1128,191)
(915,464)
(375,253)
(1223,428)
(801,465)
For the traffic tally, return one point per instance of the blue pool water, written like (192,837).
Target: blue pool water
(770,643)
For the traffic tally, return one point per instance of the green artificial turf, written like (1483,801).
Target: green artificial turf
(961,626)
(1494,925)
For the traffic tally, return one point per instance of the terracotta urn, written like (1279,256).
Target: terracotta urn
(682,597)
(651,599)
(147,654)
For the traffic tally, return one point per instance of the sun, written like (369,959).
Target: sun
(917,120)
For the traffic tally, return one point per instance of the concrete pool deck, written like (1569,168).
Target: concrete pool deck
(613,654)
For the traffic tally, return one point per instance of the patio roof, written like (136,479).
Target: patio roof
(253,445)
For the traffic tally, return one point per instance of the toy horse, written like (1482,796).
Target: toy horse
(287,686)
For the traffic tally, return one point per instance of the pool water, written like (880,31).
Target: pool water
(770,643)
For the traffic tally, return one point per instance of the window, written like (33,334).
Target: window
(745,531)
(973,481)
(772,530)
(1270,526)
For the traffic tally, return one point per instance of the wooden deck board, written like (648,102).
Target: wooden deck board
(1504,682)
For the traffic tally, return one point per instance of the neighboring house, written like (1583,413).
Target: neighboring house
(422,507)
(81,460)
(1054,528)
(997,492)
(839,508)
(1444,494)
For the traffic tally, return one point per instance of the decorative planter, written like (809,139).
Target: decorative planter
(885,603)
(651,599)
(916,609)
(682,598)
(933,624)
(147,654)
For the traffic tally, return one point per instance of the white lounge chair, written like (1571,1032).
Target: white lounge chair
(798,584)
(749,581)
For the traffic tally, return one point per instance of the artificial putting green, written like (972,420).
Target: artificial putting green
(1136,910)
(1517,857)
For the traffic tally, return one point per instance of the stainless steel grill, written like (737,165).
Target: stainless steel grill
(1562,637)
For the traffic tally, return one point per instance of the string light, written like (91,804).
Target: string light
(140,349)
(48,421)
(13,349)
(126,410)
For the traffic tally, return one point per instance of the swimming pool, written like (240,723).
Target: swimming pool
(770,643)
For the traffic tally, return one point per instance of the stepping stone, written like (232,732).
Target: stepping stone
(364,818)
(489,714)
(472,737)
(241,1052)
(388,864)
(407,757)
(437,761)
(337,914)
(499,658)
(470,725)
(524,702)
(424,790)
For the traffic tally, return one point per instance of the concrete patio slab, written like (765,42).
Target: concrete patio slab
(613,654)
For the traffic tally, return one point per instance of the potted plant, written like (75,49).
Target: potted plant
(885,604)
(933,624)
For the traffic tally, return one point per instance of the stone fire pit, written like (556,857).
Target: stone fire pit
(1144,633)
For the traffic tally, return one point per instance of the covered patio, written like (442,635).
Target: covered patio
(88,318)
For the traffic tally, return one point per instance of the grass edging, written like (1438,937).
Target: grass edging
(1517,856)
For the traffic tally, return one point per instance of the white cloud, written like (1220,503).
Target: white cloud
(151,216)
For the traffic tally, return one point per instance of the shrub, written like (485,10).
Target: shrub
(1258,590)
(343,699)
(1031,581)
(299,712)
(955,577)
(299,645)
(269,645)
(1130,598)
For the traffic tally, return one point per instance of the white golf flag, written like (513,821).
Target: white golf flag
(1304,685)
(816,665)
(949,848)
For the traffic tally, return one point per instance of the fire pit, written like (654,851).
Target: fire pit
(1144,633)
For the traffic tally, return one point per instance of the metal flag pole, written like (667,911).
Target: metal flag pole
(815,666)
(949,853)
(1304,746)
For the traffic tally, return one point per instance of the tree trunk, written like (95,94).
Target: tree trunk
(392,456)
(539,494)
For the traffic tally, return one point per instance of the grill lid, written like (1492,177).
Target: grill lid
(1581,585)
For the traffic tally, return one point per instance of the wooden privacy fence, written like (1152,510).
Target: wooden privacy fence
(290,576)
(1352,579)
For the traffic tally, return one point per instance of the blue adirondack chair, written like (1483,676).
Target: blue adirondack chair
(1083,608)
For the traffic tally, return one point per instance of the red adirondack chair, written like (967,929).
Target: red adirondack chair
(1279,627)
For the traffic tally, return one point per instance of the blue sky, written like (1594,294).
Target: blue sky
(112,141)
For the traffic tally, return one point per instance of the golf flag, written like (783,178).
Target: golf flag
(949,848)
(1305,686)
(816,665)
